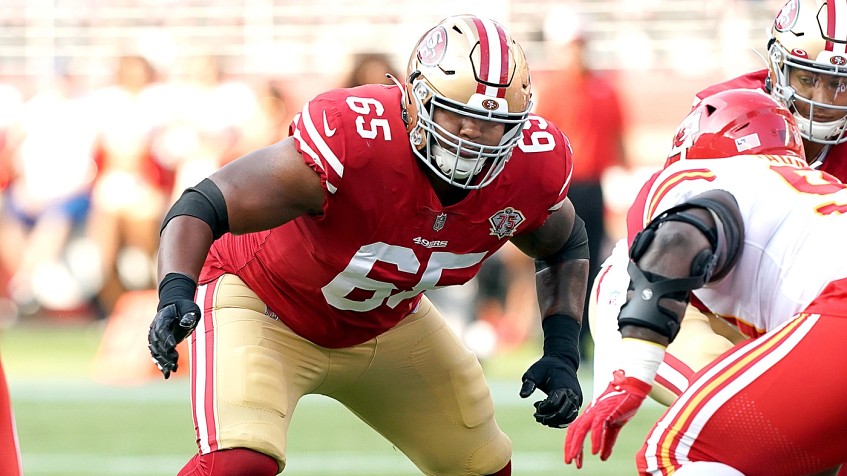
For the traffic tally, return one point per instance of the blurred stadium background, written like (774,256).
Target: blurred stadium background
(87,400)
(664,49)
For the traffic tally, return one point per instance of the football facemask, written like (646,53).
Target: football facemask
(471,67)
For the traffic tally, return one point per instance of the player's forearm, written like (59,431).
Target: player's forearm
(562,287)
(642,333)
(184,244)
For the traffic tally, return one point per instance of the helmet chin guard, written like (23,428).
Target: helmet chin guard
(454,165)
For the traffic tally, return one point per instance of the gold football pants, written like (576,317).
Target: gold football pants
(416,384)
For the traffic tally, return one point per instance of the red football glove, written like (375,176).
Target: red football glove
(605,417)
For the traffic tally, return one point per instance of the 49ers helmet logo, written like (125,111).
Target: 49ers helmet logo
(432,47)
(490,104)
(787,17)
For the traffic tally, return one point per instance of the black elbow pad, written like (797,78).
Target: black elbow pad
(204,201)
(576,247)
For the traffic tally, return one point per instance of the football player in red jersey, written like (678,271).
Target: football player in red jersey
(313,255)
(10,452)
(807,72)
(737,220)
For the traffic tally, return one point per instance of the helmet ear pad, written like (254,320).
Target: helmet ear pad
(412,105)
(410,114)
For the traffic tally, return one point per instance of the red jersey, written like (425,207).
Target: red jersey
(346,276)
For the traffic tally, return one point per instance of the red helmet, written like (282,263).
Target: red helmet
(737,122)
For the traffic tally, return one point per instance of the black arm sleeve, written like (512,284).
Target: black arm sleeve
(576,247)
(204,201)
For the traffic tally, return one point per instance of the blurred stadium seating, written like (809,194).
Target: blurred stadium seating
(265,37)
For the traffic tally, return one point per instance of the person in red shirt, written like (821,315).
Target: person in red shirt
(10,451)
(806,49)
(586,105)
(11,104)
(313,256)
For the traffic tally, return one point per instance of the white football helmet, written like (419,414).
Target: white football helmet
(807,58)
(469,66)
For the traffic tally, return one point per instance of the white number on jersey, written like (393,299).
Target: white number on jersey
(539,140)
(355,275)
(363,106)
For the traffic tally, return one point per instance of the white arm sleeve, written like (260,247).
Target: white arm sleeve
(608,294)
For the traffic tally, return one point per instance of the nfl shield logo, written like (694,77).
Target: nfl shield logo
(439,221)
(505,222)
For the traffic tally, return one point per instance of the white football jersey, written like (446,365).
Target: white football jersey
(794,233)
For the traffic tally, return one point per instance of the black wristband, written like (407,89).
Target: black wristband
(561,337)
(174,287)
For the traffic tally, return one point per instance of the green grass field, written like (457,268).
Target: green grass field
(71,426)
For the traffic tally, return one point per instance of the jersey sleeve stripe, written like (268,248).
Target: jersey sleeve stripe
(319,142)
(563,193)
(664,187)
(746,328)
(304,146)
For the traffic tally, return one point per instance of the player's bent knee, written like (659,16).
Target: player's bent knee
(232,462)
(493,458)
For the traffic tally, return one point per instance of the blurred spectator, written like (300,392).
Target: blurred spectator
(277,115)
(369,68)
(10,451)
(586,106)
(47,200)
(132,188)
(213,121)
(506,299)
(11,106)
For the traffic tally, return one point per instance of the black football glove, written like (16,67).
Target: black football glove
(557,378)
(177,317)
(555,373)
